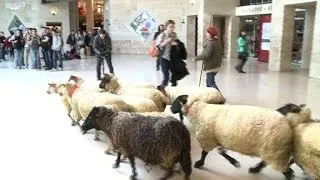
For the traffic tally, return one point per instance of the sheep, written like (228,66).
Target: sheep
(205,94)
(306,153)
(113,86)
(94,86)
(155,140)
(249,130)
(82,100)
(106,78)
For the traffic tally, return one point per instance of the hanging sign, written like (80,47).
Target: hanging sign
(254,10)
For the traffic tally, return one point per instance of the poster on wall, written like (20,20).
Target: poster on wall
(143,24)
(266,35)
(16,24)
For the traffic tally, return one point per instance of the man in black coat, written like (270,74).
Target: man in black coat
(102,47)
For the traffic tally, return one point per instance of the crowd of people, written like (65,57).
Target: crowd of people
(27,48)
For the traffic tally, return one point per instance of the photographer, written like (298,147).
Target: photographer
(102,47)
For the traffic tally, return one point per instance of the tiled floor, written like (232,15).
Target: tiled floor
(38,143)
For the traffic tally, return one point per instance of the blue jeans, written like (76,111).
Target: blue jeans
(211,82)
(165,67)
(47,58)
(55,57)
(35,59)
(158,62)
(18,57)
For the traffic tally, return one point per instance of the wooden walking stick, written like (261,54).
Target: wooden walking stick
(201,75)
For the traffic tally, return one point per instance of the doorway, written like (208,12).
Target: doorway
(220,23)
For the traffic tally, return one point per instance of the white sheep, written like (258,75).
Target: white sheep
(110,77)
(155,95)
(307,148)
(306,152)
(249,130)
(205,94)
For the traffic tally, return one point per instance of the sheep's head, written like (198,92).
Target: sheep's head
(97,114)
(67,89)
(290,108)
(178,103)
(162,88)
(75,79)
(109,83)
(105,79)
(53,88)
(304,115)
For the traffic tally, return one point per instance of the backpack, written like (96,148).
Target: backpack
(153,50)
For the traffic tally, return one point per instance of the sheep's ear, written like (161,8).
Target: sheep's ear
(303,105)
(161,88)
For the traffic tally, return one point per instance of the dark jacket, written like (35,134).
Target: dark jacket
(178,69)
(211,54)
(19,44)
(71,39)
(102,46)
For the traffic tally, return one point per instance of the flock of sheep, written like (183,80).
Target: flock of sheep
(133,117)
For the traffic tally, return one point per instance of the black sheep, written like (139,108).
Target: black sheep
(160,141)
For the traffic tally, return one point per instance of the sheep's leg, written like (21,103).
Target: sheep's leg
(258,167)
(233,161)
(117,164)
(200,163)
(288,174)
(168,174)
(134,175)
(96,135)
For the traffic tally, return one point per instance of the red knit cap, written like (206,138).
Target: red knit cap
(213,31)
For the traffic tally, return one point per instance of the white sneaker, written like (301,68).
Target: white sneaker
(53,70)
(59,69)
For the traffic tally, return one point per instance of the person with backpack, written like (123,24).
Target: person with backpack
(211,56)
(160,30)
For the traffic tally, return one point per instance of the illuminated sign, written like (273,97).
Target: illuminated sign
(254,10)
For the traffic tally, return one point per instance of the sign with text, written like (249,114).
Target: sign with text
(254,10)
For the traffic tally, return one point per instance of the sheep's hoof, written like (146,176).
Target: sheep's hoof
(254,170)
(73,123)
(115,166)
(289,174)
(133,177)
(236,164)
(96,139)
(198,164)
(107,152)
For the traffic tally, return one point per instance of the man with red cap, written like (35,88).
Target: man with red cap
(211,56)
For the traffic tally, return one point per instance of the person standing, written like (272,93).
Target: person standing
(18,46)
(26,37)
(211,56)
(164,42)
(56,48)
(46,50)
(2,46)
(103,47)
(242,51)
(160,30)
(34,44)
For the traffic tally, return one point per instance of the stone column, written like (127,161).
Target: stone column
(89,16)
(282,26)
(231,35)
(73,15)
(190,43)
(307,38)
(315,53)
